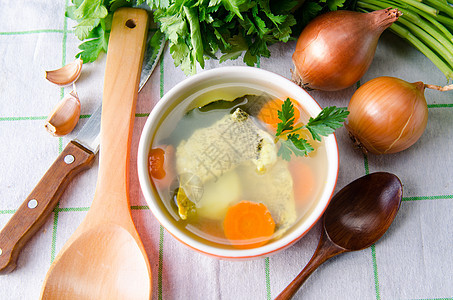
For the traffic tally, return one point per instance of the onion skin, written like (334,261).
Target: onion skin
(387,115)
(336,48)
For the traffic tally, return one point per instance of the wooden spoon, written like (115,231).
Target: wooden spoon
(105,258)
(354,220)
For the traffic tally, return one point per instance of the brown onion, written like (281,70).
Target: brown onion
(336,48)
(388,115)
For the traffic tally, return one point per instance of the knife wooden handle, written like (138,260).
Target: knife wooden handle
(34,211)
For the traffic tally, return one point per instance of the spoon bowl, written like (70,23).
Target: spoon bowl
(105,258)
(126,282)
(361,212)
(357,216)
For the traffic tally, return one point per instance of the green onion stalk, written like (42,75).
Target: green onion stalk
(426,24)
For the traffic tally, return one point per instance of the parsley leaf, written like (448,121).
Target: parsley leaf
(294,145)
(91,9)
(238,46)
(286,115)
(312,8)
(233,6)
(285,150)
(335,4)
(329,119)
(325,123)
(84,28)
(301,146)
(91,48)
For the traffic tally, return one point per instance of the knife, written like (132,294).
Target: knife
(77,156)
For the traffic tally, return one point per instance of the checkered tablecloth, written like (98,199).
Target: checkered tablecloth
(414,260)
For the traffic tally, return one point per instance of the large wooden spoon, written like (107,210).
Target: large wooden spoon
(105,258)
(355,219)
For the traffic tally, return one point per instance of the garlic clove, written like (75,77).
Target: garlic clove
(64,116)
(67,74)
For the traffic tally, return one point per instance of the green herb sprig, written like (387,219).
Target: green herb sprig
(200,29)
(325,123)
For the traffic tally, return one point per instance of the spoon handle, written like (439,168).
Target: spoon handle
(325,250)
(122,75)
(39,204)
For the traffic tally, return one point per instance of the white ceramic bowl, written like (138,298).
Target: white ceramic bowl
(196,91)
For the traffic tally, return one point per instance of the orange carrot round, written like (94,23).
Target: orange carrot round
(160,165)
(156,163)
(303,181)
(269,113)
(248,225)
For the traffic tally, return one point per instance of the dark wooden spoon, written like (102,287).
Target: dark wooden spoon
(356,218)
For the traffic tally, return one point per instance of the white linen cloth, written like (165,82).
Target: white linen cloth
(413,260)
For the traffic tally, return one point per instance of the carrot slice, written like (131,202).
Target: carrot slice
(156,163)
(303,181)
(269,113)
(248,225)
(160,165)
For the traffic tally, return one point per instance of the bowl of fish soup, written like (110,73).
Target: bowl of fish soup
(213,172)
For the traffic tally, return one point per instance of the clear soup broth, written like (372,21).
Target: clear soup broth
(215,164)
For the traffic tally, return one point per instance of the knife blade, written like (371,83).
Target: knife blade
(77,156)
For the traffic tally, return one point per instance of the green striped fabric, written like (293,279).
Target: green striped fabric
(280,269)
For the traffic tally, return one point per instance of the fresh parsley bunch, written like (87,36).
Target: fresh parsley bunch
(199,29)
(325,123)
(196,29)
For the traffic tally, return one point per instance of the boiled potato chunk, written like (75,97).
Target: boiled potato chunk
(219,195)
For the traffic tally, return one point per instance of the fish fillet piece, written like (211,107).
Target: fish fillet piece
(219,148)
(274,188)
